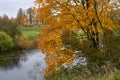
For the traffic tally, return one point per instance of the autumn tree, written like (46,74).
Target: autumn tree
(21,17)
(13,20)
(89,17)
(115,16)
(29,15)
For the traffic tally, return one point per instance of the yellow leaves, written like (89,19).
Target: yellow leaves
(44,12)
(23,42)
(53,42)
(51,45)
(55,61)
(38,1)
(56,40)
(59,16)
(106,21)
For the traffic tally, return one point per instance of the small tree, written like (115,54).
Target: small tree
(21,17)
(6,42)
(30,15)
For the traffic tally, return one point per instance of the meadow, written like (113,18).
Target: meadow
(30,32)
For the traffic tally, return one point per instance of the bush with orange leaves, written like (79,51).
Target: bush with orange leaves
(24,43)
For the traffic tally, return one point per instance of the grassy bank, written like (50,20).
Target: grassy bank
(76,74)
(28,38)
(30,32)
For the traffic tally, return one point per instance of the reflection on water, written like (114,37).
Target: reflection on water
(22,65)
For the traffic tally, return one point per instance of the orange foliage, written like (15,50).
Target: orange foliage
(90,16)
(51,45)
(24,43)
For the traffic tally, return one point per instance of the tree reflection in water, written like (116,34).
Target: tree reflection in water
(36,73)
(10,59)
(22,65)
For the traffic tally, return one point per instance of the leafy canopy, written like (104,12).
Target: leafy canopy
(58,16)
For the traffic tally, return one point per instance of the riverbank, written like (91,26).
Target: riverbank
(83,74)
(28,39)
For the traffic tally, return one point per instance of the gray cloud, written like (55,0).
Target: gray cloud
(10,7)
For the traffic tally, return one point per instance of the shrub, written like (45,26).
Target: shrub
(25,43)
(6,42)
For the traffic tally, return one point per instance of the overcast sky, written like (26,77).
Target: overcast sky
(10,7)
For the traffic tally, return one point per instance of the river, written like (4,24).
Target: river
(22,65)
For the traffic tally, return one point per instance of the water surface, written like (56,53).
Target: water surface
(22,65)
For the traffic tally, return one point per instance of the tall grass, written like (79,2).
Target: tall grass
(76,74)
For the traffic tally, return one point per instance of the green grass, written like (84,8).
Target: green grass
(78,75)
(30,32)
